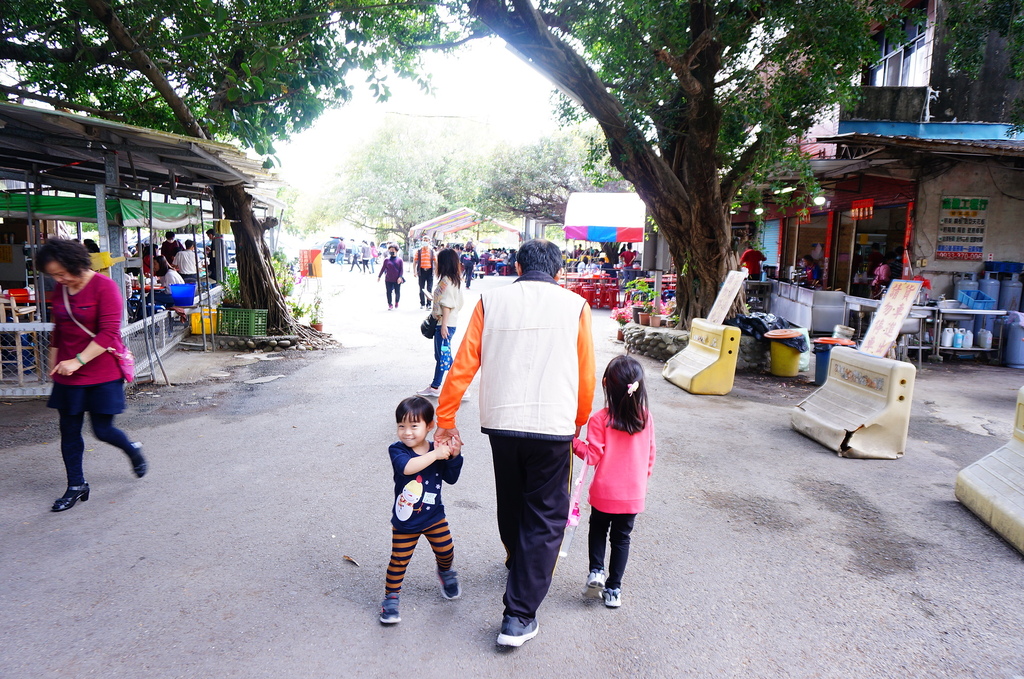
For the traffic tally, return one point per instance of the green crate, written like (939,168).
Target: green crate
(241,322)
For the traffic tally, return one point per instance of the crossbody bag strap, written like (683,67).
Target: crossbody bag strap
(67,305)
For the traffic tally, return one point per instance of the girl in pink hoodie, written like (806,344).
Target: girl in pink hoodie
(620,444)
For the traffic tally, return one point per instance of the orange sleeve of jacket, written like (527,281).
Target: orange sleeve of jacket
(464,369)
(585,353)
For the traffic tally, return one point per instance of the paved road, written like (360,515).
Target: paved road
(761,554)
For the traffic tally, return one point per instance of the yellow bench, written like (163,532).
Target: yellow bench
(708,363)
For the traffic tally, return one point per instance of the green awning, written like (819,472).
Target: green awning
(54,207)
(133,213)
(165,215)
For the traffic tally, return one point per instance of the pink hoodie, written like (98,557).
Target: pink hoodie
(623,461)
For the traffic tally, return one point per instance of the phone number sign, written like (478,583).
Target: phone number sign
(962,222)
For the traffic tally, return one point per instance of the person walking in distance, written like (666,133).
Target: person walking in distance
(469,260)
(446,306)
(393,270)
(620,444)
(531,343)
(425,263)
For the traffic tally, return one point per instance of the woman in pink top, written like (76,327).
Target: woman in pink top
(620,444)
(87,310)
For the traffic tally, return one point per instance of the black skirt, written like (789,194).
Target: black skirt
(106,398)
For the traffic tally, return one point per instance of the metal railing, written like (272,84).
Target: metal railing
(24,359)
(25,349)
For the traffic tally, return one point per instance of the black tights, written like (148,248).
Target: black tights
(616,529)
(396,288)
(72,447)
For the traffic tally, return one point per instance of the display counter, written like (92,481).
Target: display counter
(817,310)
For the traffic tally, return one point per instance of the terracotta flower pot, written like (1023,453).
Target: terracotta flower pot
(319,327)
(645,319)
(621,336)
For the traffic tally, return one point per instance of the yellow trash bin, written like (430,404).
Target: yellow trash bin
(785,359)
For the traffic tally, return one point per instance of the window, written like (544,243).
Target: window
(902,64)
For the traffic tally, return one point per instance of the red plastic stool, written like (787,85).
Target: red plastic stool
(589,293)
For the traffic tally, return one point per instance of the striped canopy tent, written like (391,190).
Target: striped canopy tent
(453,221)
(605,217)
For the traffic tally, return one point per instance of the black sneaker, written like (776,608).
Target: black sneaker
(450,588)
(389,610)
(515,633)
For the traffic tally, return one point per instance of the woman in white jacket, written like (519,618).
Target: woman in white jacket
(447,303)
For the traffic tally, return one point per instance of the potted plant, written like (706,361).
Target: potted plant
(316,314)
(642,296)
(622,315)
(232,295)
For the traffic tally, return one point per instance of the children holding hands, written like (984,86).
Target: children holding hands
(420,469)
(620,444)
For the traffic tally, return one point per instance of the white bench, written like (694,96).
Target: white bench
(863,409)
(993,487)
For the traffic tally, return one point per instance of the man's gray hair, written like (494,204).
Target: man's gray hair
(540,255)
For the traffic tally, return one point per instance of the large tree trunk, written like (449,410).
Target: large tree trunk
(255,272)
(685,200)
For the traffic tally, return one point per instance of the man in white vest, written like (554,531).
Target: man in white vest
(531,342)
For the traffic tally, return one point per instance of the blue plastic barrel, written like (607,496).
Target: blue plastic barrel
(184,294)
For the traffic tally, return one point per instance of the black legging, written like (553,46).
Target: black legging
(397,288)
(619,526)
(426,280)
(72,446)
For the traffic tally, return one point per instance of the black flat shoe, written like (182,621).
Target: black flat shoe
(73,495)
(139,465)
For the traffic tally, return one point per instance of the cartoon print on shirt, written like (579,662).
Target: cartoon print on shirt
(405,502)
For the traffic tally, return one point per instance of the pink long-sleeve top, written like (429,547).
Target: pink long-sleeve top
(623,463)
(98,307)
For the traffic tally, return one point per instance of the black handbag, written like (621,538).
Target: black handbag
(428,326)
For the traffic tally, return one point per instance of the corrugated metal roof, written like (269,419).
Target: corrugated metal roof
(976,147)
(64,145)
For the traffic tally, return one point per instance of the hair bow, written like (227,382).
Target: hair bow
(632,387)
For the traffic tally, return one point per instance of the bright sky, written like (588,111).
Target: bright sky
(483,81)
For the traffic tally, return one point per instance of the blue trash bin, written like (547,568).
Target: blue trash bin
(823,354)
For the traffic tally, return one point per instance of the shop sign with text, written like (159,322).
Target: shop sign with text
(962,228)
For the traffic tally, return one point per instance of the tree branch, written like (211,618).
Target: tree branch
(146,67)
(474,35)
(740,170)
(682,66)
(26,54)
(60,103)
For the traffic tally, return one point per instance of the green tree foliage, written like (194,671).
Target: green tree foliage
(248,72)
(409,171)
(535,180)
(695,98)
(232,70)
(969,24)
